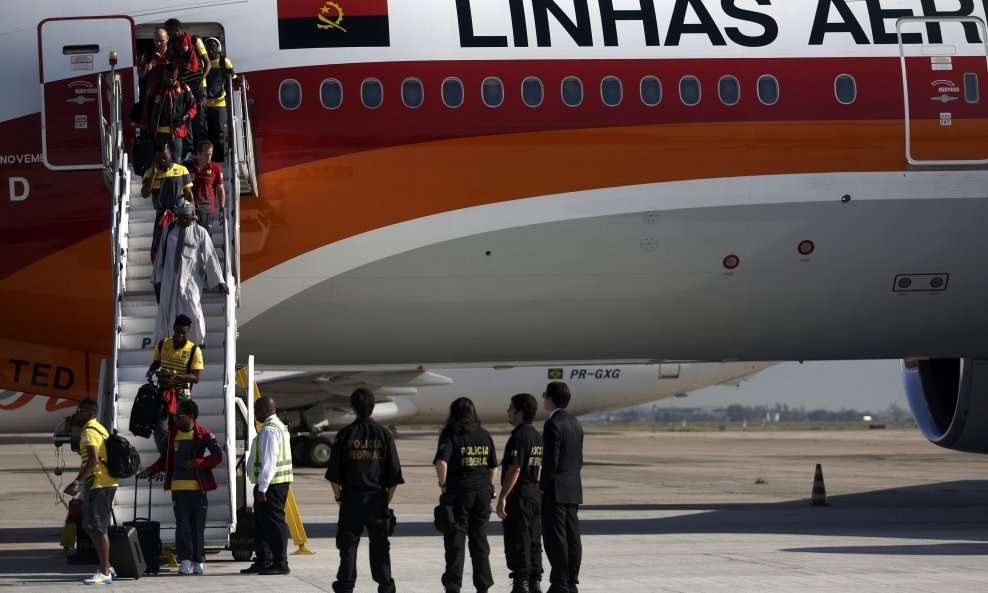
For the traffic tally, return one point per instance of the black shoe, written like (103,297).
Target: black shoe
(534,586)
(252,569)
(274,570)
(519,586)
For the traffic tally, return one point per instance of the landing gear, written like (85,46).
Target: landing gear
(319,450)
(300,450)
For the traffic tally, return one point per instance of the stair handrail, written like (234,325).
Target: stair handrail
(231,252)
(117,169)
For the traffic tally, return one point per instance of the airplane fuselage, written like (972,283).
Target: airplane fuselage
(808,182)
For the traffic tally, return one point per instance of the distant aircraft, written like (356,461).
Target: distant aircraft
(321,403)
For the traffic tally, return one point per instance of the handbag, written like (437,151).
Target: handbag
(443,518)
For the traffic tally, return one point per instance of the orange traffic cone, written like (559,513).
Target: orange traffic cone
(818,498)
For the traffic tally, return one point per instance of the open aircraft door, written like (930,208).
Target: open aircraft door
(74,53)
(944,74)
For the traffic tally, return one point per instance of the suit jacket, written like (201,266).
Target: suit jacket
(562,458)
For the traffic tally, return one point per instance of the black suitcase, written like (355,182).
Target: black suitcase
(125,552)
(148,533)
(142,155)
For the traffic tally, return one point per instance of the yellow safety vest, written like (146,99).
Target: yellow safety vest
(283,469)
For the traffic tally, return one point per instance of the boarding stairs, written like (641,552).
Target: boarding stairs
(133,346)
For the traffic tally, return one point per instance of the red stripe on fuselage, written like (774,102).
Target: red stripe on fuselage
(312,132)
(61,207)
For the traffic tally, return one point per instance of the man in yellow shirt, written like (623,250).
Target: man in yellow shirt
(97,485)
(221,71)
(178,364)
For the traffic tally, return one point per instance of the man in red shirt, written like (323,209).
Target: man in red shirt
(152,63)
(207,184)
(189,53)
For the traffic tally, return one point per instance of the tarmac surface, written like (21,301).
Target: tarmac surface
(683,512)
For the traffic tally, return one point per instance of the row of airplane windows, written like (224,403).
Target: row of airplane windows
(533,93)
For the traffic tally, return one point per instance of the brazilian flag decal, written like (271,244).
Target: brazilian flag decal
(333,23)
(555,373)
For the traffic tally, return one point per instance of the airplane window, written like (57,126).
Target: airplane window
(331,93)
(372,93)
(452,92)
(412,94)
(611,92)
(492,92)
(572,91)
(768,89)
(651,91)
(290,94)
(846,89)
(689,90)
(531,91)
(971,94)
(729,90)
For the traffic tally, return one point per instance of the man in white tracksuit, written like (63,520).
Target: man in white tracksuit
(186,264)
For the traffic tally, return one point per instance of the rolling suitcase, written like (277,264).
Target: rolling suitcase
(125,552)
(148,533)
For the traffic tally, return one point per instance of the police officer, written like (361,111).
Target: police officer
(364,470)
(466,464)
(519,505)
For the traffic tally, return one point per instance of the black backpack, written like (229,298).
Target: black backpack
(145,410)
(122,459)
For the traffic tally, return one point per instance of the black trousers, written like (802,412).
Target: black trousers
(561,537)
(272,530)
(355,515)
(205,220)
(472,511)
(523,532)
(190,524)
(200,130)
(216,122)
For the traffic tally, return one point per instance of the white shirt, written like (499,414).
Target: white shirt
(553,412)
(269,443)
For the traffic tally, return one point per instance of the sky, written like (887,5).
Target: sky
(870,385)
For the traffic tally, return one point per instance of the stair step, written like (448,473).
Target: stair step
(143,341)
(144,357)
(214,323)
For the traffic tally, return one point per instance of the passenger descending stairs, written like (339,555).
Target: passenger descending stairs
(136,328)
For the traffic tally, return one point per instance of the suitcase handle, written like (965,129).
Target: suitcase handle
(137,481)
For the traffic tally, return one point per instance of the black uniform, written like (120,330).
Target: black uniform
(523,524)
(562,496)
(469,458)
(365,464)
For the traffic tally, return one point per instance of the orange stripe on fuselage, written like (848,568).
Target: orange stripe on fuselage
(55,311)
(305,207)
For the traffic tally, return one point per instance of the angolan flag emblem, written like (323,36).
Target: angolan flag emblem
(335,23)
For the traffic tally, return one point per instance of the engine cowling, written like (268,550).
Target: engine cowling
(949,400)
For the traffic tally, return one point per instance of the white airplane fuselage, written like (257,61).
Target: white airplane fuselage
(838,212)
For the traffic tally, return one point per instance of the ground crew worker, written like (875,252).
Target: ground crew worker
(271,471)
(466,464)
(519,505)
(188,463)
(364,471)
(98,488)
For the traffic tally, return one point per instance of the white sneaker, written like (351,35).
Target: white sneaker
(99,579)
(197,568)
(113,572)
(185,567)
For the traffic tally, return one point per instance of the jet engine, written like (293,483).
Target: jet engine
(949,400)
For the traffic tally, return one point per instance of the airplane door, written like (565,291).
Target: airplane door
(944,74)
(74,52)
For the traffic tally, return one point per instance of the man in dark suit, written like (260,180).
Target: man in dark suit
(562,490)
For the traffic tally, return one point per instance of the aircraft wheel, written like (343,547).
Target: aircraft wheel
(300,450)
(320,449)
(242,555)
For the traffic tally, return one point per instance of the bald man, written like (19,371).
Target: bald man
(271,471)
